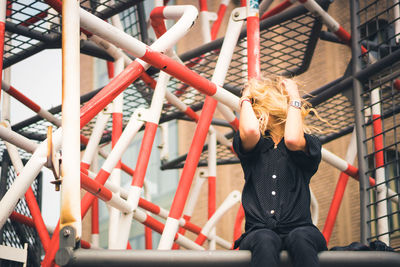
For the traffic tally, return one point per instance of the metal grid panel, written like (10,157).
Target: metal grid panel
(283,50)
(378,35)
(33,26)
(15,234)
(378,27)
(338,111)
(390,122)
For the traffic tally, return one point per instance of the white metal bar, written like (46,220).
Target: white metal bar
(230,200)
(70,168)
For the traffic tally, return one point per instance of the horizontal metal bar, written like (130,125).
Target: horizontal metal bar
(91,49)
(31,33)
(176,258)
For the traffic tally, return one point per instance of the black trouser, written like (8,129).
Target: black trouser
(303,244)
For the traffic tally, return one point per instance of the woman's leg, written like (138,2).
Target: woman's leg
(265,246)
(303,244)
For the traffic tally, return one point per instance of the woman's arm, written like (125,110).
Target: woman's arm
(248,123)
(294,134)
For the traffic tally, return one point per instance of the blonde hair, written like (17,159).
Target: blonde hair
(270,102)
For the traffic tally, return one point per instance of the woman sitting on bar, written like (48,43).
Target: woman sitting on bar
(278,157)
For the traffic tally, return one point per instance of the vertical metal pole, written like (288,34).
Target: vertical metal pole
(70,168)
(253,39)
(396,14)
(359,119)
(212,174)
(5,162)
(142,23)
(3,10)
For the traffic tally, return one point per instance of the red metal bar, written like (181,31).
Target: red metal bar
(95,189)
(179,71)
(85,244)
(116,132)
(212,192)
(110,70)
(95,217)
(277,9)
(110,91)
(378,140)
(335,205)
(203,5)
(23,99)
(193,158)
(216,25)
(200,239)
(144,154)
(157,21)
(34,19)
(148,237)
(253,46)
(48,259)
(18,217)
(37,219)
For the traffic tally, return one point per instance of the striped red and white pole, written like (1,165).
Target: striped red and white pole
(30,104)
(352,171)
(212,190)
(172,223)
(95,223)
(114,200)
(192,199)
(253,39)
(152,118)
(117,125)
(3,11)
(148,232)
(381,194)
(159,227)
(340,188)
(100,191)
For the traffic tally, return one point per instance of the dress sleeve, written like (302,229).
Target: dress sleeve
(238,148)
(310,159)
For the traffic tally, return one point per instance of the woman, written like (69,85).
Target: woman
(278,159)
